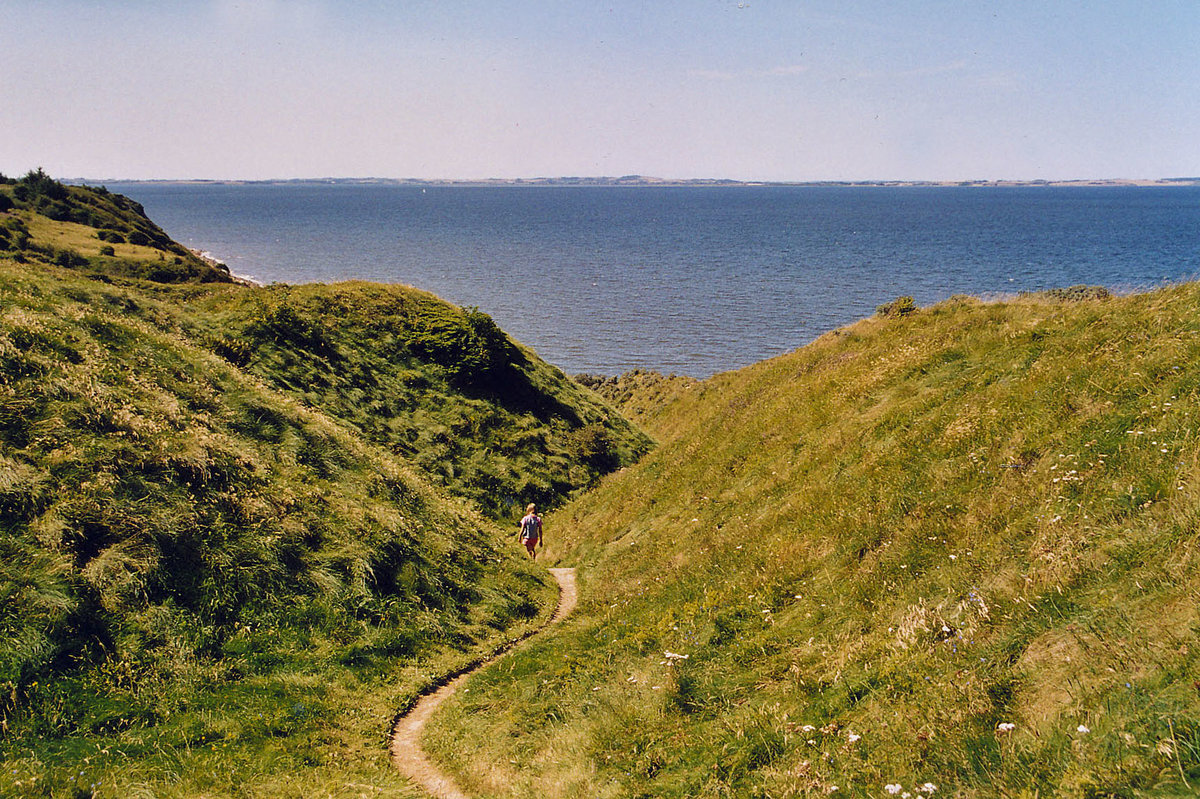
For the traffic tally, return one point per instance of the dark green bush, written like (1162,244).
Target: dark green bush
(1078,293)
(282,324)
(107,250)
(465,342)
(38,184)
(69,260)
(592,446)
(57,210)
(901,306)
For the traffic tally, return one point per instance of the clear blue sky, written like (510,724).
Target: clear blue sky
(757,89)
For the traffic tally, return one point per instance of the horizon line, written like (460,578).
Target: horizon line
(650,180)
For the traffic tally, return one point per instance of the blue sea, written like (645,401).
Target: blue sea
(687,280)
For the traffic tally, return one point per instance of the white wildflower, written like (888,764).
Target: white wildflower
(1005,726)
(893,788)
(853,737)
(1081,729)
(928,787)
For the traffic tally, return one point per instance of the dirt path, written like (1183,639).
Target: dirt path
(407,755)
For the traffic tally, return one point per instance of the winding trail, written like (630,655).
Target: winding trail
(407,755)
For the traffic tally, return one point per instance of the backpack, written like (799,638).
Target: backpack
(529,527)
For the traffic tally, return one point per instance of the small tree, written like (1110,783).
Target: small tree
(38,184)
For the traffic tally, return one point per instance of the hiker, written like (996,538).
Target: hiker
(531,530)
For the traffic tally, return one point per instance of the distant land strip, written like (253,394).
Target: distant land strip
(641,180)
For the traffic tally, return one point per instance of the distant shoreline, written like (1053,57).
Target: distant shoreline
(642,181)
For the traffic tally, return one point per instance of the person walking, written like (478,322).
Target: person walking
(531,530)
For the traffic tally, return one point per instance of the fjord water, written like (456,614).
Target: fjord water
(691,280)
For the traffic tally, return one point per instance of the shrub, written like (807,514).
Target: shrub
(13,234)
(58,210)
(6,202)
(592,446)
(901,306)
(69,260)
(110,236)
(38,184)
(281,324)
(234,350)
(468,343)
(107,249)
(1071,294)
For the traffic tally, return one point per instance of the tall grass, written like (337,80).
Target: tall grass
(223,566)
(207,587)
(438,384)
(877,553)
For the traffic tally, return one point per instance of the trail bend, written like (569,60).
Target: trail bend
(407,755)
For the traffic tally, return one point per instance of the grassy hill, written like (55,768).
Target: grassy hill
(435,383)
(225,561)
(93,231)
(432,382)
(953,545)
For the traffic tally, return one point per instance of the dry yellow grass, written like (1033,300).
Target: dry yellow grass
(80,238)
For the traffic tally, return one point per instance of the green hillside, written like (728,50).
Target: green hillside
(429,381)
(432,382)
(954,546)
(225,559)
(94,231)
(207,585)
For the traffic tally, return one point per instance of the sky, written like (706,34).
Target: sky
(786,90)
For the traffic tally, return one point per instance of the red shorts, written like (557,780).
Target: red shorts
(530,543)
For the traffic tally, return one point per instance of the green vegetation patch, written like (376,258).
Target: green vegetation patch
(92,230)
(430,381)
(947,552)
(207,586)
(639,394)
(225,561)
